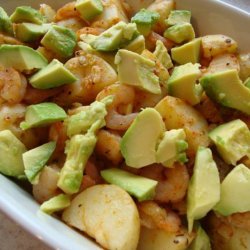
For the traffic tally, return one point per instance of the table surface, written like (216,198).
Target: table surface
(13,237)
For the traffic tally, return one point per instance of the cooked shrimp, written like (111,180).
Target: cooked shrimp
(92,169)
(93,74)
(87,182)
(47,185)
(123,95)
(12,84)
(74,23)
(67,11)
(172,182)
(154,216)
(241,220)
(33,96)
(4,39)
(89,30)
(108,146)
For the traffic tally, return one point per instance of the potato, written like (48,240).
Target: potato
(156,239)
(244,60)
(178,114)
(108,214)
(223,62)
(213,45)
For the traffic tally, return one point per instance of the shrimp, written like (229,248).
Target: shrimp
(123,95)
(12,85)
(47,184)
(241,220)
(74,23)
(153,216)
(108,146)
(4,39)
(67,11)
(172,182)
(89,30)
(93,74)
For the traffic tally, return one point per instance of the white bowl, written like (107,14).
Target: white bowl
(209,17)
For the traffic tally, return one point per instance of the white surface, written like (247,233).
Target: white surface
(20,206)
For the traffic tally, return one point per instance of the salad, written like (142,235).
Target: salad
(127,125)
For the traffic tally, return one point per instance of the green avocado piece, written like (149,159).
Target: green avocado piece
(136,70)
(188,52)
(180,33)
(232,140)
(35,159)
(145,19)
(201,241)
(138,145)
(29,32)
(60,40)
(42,114)
(51,76)
(204,187)
(247,82)
(178,17)
(137,45)
(5,23)
(115,37)
(235,192)
(162,55)
(88,38)
(78,150)
(56,204)
(172,148)
(226,88)
(89,9)
(11,150)
(140,187)
(81,122)
(21,57)
(183,83)
(27,14)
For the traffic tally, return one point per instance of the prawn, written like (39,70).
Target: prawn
(74,23)
(172,182)
(9,40)
(67,11)
(153,216)
(12,85)
(123,96)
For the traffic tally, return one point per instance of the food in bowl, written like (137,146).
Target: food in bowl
(128,126)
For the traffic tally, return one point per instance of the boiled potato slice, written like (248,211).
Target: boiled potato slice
(178,114)
(156,239)
(213,45)
(108,214)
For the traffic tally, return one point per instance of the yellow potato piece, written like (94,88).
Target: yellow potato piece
(178,114)
(108,214)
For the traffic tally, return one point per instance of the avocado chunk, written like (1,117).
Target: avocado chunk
(137,45)
(162,55)
(80,147)
(235,192)
(178,17)
(78,150)
(5,23)
(180,33)
(42,114)
(30,32)
(201,241)
(51,76)
(138,145)
(204,187)
(11,150)
(172,148)
(35,159)
(142,70)
(232,140)
(60,40)
(89,9)
(145,19)
(140,187)
(188,52)
(81,122)
(226,88)
(27,14)
(119,35)
(183,83)
(56,204)
(247,82)
(21,57)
